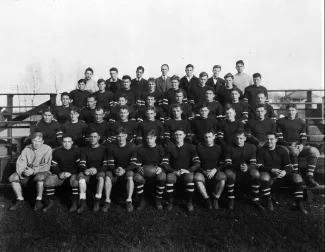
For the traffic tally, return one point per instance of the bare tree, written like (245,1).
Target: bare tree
(32,81)
(56,76)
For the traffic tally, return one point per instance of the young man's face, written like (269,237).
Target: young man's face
(99,116)
(67,143)
(271,141)
(37,142)
(240,140)
(122,101)
(230,114)
(209,138)
(47,117)
(292,112)
(88,75)
(102,86)
(65,100)
(121,138)
(124,114)
(81,86)
(257,81)
(189,71)
(260,113)
(150,114)
(216,72)
(229,82)
(240,68)
(91,102)
(150,101)
(151,141)
(126,84)
(209,95)
(179,136)
(175,84)
(164,70)
(204,112)
(179,98)
(151,86)
(113,75)
(94,138)
(260,98)
(235,96)
(139,73)
(177,112)
(74,115)
(203,80)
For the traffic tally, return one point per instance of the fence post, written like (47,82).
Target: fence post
(10,98)
(53,100)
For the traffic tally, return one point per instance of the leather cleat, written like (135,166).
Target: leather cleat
(310,182)
(231,204)
(74,206)
(49,205)
(208,204)
(190,207)
(158,204)
(270,206)
(106,206)
(17,205)
(215,204)
(82,206)
(141,205)
(258,205)
(38,205)
(129,206)
(300,207)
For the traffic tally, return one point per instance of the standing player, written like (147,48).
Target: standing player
(163,82)
(114,114)
(275,167)
(215,108)
(33,165)
(93,160)
(132,94)
(240,168)
(181,161)
(261,99)
(87,114)
(251,91)
(196,93)
(152,91)
(189,79)
(150,154)
(79,95)
(224,94)
(170,94)
(241,79)
(99,125)
(104,97)
(186,108)
(210,155)
(113,84)
(90,83)
(150,102)
(139,84)
(215,81)
(62,113)
(292,135)
(65,161)
(242,108)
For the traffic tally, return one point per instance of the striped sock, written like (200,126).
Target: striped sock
(50,191)
(265,189)
(139,189)
(230,188)
(75,192)
(169,191)
(255,191)
(190,190)
(160,190)
(298,191)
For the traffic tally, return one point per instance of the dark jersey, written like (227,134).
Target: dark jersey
(130,126)
(125,157)
(269,111)
(291,131)
(140,86)
(64,160)
(196,94)
(171,125)
(113,86)
(150,156)
(169,97)
(141,113)
(79,98)
(186,85)
(224,95)
(114,114)
(87,115)
(235,155)
(76,130)
(62,114)
(52,133)
(219,83)
(210,156)
(184,157)
(187,111)
(277,158)
(146,126)
(104,99)
(256,130)
(131,94)
(144,94)
(215,109)
(227,130)
(200,125)
(250,93)
(242,109)
(93,158)
(102,129)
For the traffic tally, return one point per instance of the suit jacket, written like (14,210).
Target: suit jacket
(140,86)
(113,86)
(162,85)
(184,84)
(220,82)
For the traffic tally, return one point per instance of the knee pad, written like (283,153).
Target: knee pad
(14,177)
(220,176)
(255,174)
(296,178)
(161,177)
(40,176)
(171,178)
(138,178)
(198,177)
(188,177)
(49,181)
(265,177)
(230,174)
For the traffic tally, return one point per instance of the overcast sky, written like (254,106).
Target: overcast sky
(281,39)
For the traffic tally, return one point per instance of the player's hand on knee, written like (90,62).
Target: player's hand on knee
(211,173)
(184,171)
(61,176)
(67,174)
(282,174)
(275,171)
(141,170)
(120,171)
(300,147)
(177,173)
(243,167)
(158,170)
(28,172)
(87,172)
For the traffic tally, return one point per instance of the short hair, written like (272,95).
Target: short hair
(202,74)
(174,77)
(125,96)
(99,109)
(260,92)
(209,89)
(179,129)
(121,130)
(216,66)
(47,109)
(151,108)
(66,136)
(235,90)
(92,96)
(175,106)
(228,75)
(204,105)
(36,134)
(113,69)
(260,106)
(124,108)
(256,75)
(272,133)
(165,65)
(100,81)
(210,130)
(179,91)
(92,131)
(81,81)
(240,62)
(89,69)
(189,65)
(291,105)
(152,79)
(151,95)
(65,94)
(152,133)
(75,109)
(240,132)
(140,68)
(228,106)
(126,77)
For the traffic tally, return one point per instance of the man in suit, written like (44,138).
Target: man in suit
(139,83)
(163,82)
(189,80)
(113,83)
(215,81)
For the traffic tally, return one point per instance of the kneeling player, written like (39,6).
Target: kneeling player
(65,160)
(274,164)
(210,156)
(122,161)
(240,167)
(92,161)
(180,162)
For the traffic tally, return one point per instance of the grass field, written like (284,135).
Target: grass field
(244,229)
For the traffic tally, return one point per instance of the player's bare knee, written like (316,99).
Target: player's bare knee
(138,178)
(73,181)
(39,177)
(296,178)
(220,176)
(314,152)
(198,177)
(230,174)
(255,174)
(161,176)
(171,178)
(189,177)
(265,177)
(14,177)
(49,181)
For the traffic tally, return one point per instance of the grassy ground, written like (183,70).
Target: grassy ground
(245,229)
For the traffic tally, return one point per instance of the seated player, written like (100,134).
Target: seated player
(79,95)
(224,94)
(87,114)
(275,167)
(169,96)
(32,167)
(189,79)
(99,125)
(152,91)
(75,128)
(240,169)
(104,97)
(132,94)
(113,83)
(50,128)
(210,173)
(228,127)
(215,108)
(62,113)
(93,160)
(186,108)
(139,84)
(256,129)
(150,124)
(176,122)
(114,114)
(292,135)
(200,125)
(242,108)
(130,126)
(150,154)
(65,161)
(251,91)
(261,99)
(180,163)
(150,102)
(197,92)
(122,160)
